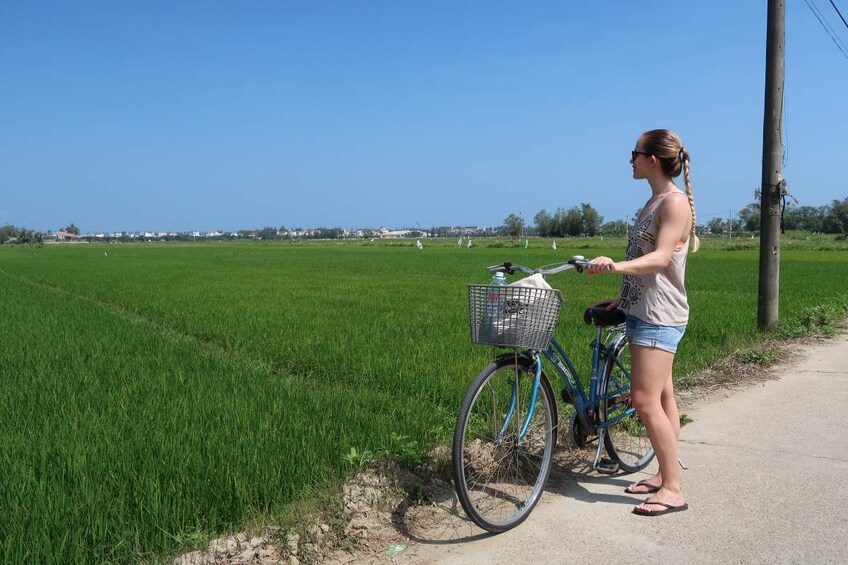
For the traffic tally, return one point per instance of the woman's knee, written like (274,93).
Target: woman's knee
(644,401)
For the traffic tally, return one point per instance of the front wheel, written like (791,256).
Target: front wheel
(626,438)
(498,472)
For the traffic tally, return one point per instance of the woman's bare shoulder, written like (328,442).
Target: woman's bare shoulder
(676,203)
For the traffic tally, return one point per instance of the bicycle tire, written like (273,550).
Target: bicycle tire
(498,477)
(626,441)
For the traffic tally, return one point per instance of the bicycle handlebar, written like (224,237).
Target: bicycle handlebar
(577,262)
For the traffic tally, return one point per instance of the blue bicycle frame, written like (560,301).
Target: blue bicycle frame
(585,405)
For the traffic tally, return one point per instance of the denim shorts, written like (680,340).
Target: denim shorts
(651,335)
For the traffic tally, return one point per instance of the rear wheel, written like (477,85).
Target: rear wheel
(499,474)
(626,440)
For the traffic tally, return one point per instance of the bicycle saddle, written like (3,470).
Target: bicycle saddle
(600,316)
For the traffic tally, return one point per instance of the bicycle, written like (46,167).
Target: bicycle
(508,422)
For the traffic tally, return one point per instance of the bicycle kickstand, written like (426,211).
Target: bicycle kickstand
(601,464)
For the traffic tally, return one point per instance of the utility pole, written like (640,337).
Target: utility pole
(772,185)
(521,217)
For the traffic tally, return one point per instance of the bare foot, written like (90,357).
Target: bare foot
(648,486)
(663,502)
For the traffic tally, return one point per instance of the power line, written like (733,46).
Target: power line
(831,31)
(826,22)
(838,12)
(827,28)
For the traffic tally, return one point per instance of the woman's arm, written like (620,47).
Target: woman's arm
(673,220)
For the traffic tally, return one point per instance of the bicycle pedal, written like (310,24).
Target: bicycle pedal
(607,467)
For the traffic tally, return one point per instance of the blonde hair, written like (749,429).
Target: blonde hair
(666,146)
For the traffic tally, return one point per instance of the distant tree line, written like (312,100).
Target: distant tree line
(13,234)
(830,218)
(584,220)
(575,221)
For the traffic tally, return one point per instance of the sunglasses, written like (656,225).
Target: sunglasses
(634,153)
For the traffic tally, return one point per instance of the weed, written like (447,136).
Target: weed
(764,356)
(821,319)
(358,459)
(417,492)
(407,452)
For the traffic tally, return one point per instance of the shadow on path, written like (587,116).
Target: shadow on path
(440,519)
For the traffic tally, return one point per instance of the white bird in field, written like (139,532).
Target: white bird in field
(526,244)
(553,245)
(469,242)
(459,243)
(105,254)
(418,244)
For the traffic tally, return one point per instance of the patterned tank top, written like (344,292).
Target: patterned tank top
(658,298)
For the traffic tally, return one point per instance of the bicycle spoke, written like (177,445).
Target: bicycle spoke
(501,475)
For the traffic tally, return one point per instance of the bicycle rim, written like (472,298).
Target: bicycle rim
(626,440)
(498,475)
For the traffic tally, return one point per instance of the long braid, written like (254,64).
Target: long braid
(673,158)
(684,157)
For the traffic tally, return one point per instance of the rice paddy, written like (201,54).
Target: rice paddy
(157,394)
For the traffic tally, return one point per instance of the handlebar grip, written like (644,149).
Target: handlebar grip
(579,263)
(502,268)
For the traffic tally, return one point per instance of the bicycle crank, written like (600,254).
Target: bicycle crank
(577,432)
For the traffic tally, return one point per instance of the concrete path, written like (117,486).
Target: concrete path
(767,483)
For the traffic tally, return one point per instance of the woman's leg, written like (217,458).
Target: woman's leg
(669,405)
(653,397)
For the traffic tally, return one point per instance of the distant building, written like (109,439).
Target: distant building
(396,234)
(65,236)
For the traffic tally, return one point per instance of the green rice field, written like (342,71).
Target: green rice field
(157,394)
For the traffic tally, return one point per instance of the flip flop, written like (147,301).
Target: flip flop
(652,488)
(668,509)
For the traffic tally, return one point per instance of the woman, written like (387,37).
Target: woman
(653,294)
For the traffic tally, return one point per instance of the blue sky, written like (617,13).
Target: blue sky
(226,115)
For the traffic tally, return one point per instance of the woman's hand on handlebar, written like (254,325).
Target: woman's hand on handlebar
(600,265)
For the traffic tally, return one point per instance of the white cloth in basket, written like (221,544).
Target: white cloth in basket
(535,281)
(522,307)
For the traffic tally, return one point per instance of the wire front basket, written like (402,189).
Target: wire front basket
(513,316)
